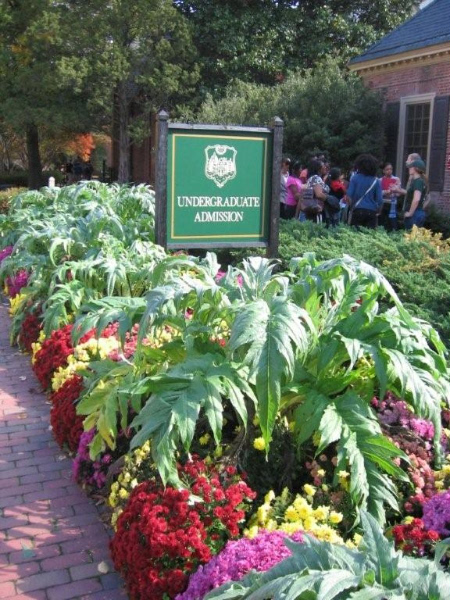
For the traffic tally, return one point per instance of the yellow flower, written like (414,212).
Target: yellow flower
(310,490)
(439,485)
(123,494)
(335,517)
(133,483)
(252,532)
(113,500)
(325,488)
(343,474)
(259,444)
(271,525)
(408,520)
(309,523)
(327,534)
(204,439)
(16,303)
(357,539)
(321,473)
(291,527)
(269,497)
(115,487)
(218,452)
(291,514)
(305,511)
(262,514)
(321,513)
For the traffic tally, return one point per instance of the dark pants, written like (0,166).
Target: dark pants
(287,211)
(418,219)
(390,224)
(362,217)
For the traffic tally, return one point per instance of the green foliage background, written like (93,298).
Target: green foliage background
(323,110)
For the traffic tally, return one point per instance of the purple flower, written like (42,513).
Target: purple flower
(393,411)
(16,282)
(436,514)
(5,253)
(86,471)
(237,559)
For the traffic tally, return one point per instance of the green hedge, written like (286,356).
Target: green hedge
(419,269)
(20,178)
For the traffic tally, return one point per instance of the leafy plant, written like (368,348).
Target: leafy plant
(323,571)
(316,343)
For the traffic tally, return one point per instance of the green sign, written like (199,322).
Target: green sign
(219,187)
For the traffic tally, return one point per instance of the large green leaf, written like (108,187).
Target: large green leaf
(269,337)
(170,415)
(381,553)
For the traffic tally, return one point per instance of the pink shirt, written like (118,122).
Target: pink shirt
(292,181)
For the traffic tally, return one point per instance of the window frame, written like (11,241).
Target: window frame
(404,102)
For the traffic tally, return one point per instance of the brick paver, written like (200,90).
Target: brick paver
(52,540)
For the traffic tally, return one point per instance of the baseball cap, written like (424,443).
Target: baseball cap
(418,164)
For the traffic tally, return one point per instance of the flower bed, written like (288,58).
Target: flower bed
(227,413)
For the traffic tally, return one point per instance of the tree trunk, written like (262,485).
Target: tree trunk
(124,135)
(35,178)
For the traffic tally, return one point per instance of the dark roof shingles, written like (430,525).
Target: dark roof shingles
(427,27)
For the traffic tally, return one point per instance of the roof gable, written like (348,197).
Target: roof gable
(428,27)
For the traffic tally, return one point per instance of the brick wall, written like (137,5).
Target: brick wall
(410,81)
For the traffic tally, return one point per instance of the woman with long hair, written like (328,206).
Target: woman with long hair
(364,193)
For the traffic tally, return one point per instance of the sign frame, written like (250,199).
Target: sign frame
(161,183)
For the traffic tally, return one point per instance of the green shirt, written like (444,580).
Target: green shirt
(416,184)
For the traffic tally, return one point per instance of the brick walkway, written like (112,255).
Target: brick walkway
(52,540)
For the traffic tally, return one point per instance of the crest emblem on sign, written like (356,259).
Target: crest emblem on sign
(220,164)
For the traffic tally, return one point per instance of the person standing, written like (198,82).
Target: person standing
(312,202)
(285,164)
(294,189)
(364,193)
(416,194)
(390,188)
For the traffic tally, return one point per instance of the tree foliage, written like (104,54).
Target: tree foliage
(33,99)
(261,41)
(323,110)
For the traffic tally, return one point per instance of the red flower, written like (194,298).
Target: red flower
(66,424)
(29,331)
(162,536)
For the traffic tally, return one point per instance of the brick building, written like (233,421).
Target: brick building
(411,67)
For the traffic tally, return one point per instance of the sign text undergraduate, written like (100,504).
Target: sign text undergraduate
(217,190)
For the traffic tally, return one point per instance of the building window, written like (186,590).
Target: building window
(416,114)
